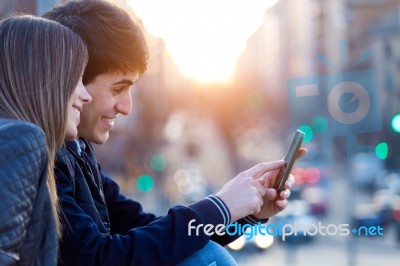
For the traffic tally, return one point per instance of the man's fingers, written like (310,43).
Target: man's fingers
(289,182)
(288,193)
(285,194)
(258,170)
(269,177)
(260,188)
(261,181)
(270,193)
(263,169)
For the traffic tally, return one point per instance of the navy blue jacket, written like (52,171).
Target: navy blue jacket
(103,227)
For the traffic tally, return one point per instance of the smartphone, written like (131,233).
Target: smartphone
(289,159)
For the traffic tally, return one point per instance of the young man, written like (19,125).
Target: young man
(101,226)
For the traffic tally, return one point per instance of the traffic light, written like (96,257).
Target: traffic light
(158,162)
(319,124)
(396,123)
(309,134)
(382,150)
(145,183)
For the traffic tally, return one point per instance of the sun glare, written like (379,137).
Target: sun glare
(204,37)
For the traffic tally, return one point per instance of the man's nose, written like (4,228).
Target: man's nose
(124,105)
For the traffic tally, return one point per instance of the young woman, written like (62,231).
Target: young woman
(41,97)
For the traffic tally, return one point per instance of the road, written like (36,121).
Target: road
(331,250)
(346,251)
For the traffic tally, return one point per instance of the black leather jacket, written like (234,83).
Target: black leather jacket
(27,226)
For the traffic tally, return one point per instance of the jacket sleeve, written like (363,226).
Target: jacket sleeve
(23,161)
(226,239)
(150,241)
(126,213)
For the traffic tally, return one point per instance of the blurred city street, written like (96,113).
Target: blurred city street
(329,250)
(326,252)
(342,200)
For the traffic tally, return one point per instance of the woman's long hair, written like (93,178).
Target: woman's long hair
(41,62)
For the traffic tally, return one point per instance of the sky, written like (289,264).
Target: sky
(204,37)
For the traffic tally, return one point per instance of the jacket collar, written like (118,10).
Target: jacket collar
(87,151)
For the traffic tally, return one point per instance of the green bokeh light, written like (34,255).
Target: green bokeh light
(309,134)
(158,162)
(319,124)
(382,150)
(145,183)
(396,123)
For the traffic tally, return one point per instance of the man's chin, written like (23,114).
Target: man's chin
(101,139)
(96,138)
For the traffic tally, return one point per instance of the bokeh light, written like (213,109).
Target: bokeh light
(319,124)
(145,183)
(158,162)
(382,150)
(309,134)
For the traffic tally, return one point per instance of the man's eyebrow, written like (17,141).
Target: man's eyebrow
(123,82)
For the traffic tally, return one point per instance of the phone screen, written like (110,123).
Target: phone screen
(289,159)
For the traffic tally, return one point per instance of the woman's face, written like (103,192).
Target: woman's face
(75,105)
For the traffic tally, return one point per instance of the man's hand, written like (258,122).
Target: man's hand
(243,195)
(272,204)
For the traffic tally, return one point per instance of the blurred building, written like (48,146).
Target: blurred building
(283,47)
(294,33)
(375,25)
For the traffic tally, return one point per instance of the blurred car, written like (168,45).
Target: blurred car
(366,215)
(384,202)
(258,243)
(383,210)
(396,209)
(396,217)
(312,174)
(312,184)
(297,212)
(393,180)
(317,199)
(365,170)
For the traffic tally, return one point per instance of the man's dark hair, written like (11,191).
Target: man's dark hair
(115,40)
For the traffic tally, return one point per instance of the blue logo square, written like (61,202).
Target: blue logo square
(347,102)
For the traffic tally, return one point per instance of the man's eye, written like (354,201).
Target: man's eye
(118,90)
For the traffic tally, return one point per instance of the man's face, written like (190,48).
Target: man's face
(111,95)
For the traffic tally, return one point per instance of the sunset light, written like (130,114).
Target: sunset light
(203,37)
